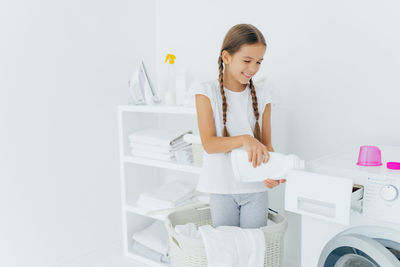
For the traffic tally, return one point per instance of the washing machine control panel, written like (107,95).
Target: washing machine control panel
(389,192)
(381,198)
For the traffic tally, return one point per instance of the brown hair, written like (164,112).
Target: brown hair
(237,36)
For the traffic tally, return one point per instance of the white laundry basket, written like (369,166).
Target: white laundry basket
(190,252)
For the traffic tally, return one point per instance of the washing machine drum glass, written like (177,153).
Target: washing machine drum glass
(356,250)
(353,260)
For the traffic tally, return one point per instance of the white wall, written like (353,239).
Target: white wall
(333,64)
(64,67)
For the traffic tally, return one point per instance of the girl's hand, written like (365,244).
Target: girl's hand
(256,150)
(272,183)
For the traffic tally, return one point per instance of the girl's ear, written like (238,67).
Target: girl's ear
(226,58)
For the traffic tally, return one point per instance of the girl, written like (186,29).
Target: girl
(232,113)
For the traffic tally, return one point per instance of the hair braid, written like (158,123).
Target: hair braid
(237,36)
(224,103)
(257,131)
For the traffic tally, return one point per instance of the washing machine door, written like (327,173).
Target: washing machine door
(359,250)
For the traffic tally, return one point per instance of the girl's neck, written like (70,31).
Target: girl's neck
(232,84)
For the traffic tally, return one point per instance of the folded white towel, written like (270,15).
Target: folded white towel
(155,136)
(150,203)
(152,155)
(229,246)
(168,195)
(154,237)
(158,148)
(174,191)
(150,148)
(142,250)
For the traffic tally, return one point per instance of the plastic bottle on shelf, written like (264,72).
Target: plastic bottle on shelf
(170,94)
(180,85)
(276,167)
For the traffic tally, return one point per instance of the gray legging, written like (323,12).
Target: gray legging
(244,210)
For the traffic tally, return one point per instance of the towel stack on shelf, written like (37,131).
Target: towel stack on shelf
(159,144)
(169,195)
(152,242)
(183,154)
(197,148)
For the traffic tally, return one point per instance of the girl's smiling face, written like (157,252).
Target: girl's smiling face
(245,63)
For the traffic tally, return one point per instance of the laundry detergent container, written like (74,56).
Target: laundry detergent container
(190,252)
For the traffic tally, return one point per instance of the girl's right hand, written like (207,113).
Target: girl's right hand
(256,150)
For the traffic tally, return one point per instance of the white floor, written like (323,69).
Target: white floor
(111,256)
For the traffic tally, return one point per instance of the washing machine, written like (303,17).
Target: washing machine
(350,214)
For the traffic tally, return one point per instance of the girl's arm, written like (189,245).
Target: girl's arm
(266,128)
(211,142)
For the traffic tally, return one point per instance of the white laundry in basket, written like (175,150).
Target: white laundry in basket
(230,246)
(189,230)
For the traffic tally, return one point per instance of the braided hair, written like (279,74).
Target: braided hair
(237,36)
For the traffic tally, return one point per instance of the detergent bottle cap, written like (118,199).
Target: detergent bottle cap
(393,165)
(170,58)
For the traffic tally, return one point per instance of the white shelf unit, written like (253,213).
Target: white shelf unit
(141,174)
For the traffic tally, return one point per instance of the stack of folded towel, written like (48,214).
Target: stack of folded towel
(197,148)
(183,153)
(161,144)
(169,195)
(152,242)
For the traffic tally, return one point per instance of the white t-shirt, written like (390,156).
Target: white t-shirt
(216,175)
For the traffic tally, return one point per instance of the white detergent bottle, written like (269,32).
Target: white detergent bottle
(276,167)
(170,94)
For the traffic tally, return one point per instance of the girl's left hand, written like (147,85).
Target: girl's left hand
(272,183)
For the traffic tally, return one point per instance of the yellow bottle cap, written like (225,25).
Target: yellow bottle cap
(171,58)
